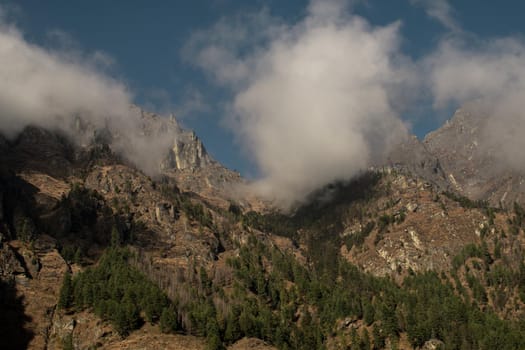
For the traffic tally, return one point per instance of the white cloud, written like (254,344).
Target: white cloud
(487,77)
(39,87)
(51,87)
(492,73)
(441,11)
(461,71)
(222,50)
(313,102)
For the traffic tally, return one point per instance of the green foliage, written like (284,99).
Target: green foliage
(324,213)
(119,293)
(477,288)
(276,223)
(235,210)
(197,212)
(68,252)
(115,237)
(424,307)
(168,320)
(519,215)
(368,313)
(434,310)
(170,192)
(125,316)
(213,336)
(83,205)
(378,338)
(297,305)
(517,222)
(472,251)
(201,312)
(71,254)
(77,258)
(66,292)
(384,221)
(92,220)
(466,202)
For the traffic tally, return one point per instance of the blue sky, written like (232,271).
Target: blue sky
(144,39)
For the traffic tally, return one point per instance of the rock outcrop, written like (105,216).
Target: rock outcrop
(462,157)
(186,151)
(413,156)
(429,229)
(472,165)
(10,264)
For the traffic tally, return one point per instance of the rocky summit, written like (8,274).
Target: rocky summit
(424,251)
(473,163)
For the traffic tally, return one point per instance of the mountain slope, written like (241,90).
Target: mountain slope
(473,165)
(386,260)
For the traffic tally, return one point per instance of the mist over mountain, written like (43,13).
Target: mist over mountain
(68,92)
(315,102)
(323,98)
(119,230)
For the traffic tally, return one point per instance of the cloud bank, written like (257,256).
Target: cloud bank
(487,76)
(490,73)
(51,88)
(39,87)
(314,102)
(319,100)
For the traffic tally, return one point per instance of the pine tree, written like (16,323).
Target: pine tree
(26,229)
(77,258)
(232,332)
(368,313)
(115,237)
(379,339)
(213,337)
(66,292)
(168,320)
(126,318)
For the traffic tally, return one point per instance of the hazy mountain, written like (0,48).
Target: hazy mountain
(474,167)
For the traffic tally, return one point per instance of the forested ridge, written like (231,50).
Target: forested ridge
(301,295)
(294,304)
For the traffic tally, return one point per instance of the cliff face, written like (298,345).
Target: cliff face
(414,156)
(429,229)
(473,165)
(463,156)
(188,163)
(185,152)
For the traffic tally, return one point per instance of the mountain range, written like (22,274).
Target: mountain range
(423,251)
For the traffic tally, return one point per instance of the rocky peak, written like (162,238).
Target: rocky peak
(187,150)
(462,156)
(471,164)
(184,151)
